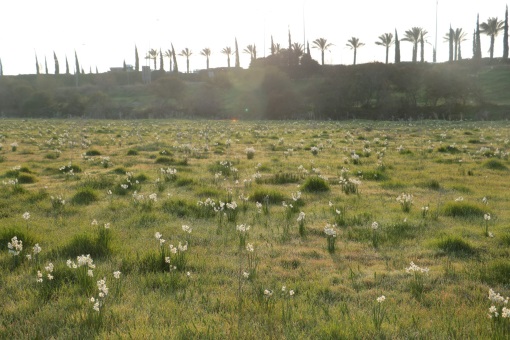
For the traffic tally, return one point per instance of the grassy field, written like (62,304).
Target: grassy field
(250,230)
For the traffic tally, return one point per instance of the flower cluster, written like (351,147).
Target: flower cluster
(49,269)
(405,200)
(168,174)
(15,246)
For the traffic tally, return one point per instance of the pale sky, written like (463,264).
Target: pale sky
(104,32)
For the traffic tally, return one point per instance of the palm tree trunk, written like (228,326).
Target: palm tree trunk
(187,65)
(207,62)
(354,56)
(155,63)
(322,55)
(492,47)
(387,52)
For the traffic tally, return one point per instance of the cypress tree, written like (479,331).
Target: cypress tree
(176,69)
(57,66)
(474,44)
(67,66)
(45,65)
(97,72)
(82,71)
(237,55)
(76,63)
(478,45)
(1,68)
(308,48)
(272,46)
(36,65)
(124,67)
(397,48)
(161,65)
(505,36)
(137,60)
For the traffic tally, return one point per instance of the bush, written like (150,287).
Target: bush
(26,179)
(494,164)
(283,178)
(84,244)
(431,184)
(84,196)
(463,210)
(132,152)
(454,245)
(273,196)
(92,153)
(315,184)
(496,272)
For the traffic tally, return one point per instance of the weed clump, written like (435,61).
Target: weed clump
(315,184)
(463,210)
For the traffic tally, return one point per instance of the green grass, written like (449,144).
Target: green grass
(207,295)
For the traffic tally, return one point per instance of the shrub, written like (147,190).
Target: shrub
(273,196)
(26,179)
(494,164)
(431,184)
(315,184)
(454,245)
(463,210)
(84,244)
(92,153)
(132,152)
(84,196)
(283,178)
(496,272)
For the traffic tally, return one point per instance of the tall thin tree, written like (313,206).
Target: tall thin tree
(76,62)
(237,55)
(174,57)
(449,38)
(137,60)
(272,46)
(478,55)
(46,65)
(57,67)
(228,52)
(37,70)
(1,68)
(169,55)
(505,36)
(67,66)
(397,48)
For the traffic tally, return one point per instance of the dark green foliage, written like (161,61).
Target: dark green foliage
(92,153)
(448,149)
(399,231)
(171,161)
(495,164)
(84,196)
(393,185)
(454,245)
(85,244)
(375,175)
(100,182)
(186,208)
(26,178)
(183,181)
(119,171)
(132,152)
(463,210)
(67,168)
(496,272)
(315,184)
(431,184)
(272,196)
(283,178)
(8,233)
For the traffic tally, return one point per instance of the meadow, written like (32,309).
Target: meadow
(203,229)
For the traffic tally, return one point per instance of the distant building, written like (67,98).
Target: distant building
(121,69)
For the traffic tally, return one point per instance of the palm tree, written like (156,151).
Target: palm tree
(206,52)
(323,45)
(385,40)
(415,36)
(491,28)
(152,54)
(228,51)
(458,37)
(186,53)
(354,44)
(169,55)
(298,49)
(252,51)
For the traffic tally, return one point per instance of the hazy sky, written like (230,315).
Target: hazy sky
(104,32)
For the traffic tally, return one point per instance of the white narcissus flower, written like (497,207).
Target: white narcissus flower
(381,298)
